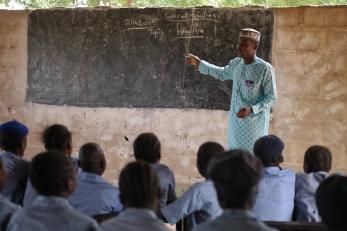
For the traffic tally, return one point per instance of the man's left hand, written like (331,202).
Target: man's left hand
(244,112)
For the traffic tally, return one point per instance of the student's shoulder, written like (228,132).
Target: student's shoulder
(162,168)
(18,215)
(203,184)
(200,187)
(4,203)
(81,218)
(284,172)
(288,174)
(104,185)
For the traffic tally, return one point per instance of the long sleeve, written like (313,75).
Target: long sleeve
(221,73)
(188,203)
(269,90)
(171,194)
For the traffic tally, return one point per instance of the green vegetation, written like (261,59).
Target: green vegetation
(179,3)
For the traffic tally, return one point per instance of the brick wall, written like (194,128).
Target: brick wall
(310,57)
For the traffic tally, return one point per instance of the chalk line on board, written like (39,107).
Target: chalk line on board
(187,44)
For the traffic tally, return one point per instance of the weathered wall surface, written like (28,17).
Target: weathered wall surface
(310,57)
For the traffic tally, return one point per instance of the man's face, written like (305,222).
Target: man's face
(247,48)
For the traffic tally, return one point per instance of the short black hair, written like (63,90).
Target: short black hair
(57,137)
(50,172)
(139,186)
(317,158)
(269,150)
(91,158)
(147,148)
(205,153)
(11,142)
(235,175)
(331,199)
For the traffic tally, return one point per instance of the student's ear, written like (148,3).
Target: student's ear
(121,198)
(69,148)
(103,166)
(200,168)
(2,178)
(70,185)
(22,146)
(280,160)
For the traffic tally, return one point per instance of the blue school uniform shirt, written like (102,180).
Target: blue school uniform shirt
(7,208)
(254,85)
(167,183)
(94,196)
(238,220)
(30,193)
(134,219)
(305,196)
(50,213)
(16,170)
(198,204)
(275,197)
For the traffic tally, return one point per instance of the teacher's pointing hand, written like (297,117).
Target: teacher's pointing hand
(193,60)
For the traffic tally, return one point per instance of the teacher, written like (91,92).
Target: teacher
(253,91)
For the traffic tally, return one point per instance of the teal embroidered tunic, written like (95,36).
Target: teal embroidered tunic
(254,85)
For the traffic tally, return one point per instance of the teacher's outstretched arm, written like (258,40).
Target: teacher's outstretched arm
(221,73)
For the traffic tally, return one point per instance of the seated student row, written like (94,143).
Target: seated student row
(199,203)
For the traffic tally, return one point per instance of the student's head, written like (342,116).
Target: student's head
(235,175)
(52,174)
(139,186)
(92,159)
(317,158)
(2,176)
(248,43)
(269,150)
(147,148)
(58,137)
(205,153)
(13,137)
(331,199)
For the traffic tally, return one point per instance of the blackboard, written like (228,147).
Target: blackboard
(131,57)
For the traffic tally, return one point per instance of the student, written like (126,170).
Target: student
(55,137)
(331,198)
(275,197)
(7,208)
(235,175)
(13,141)
(58,137)
(317,164)
(199,203)
(147,148)
(93,195)
(139,193)
(53,177)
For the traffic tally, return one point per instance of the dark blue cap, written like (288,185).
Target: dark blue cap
(14,127)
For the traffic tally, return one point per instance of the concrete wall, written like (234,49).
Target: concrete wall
(310,57)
